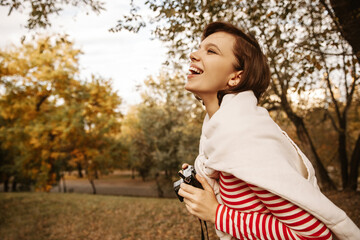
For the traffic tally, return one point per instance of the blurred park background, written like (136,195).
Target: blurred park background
(64,131)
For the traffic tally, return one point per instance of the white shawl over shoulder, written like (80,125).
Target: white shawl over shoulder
(243,140)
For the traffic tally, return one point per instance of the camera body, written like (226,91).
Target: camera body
(188,177)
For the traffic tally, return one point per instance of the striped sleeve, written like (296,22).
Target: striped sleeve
(254,225)
(297,219)
(243,225)
(280,220)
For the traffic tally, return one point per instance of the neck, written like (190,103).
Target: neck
(211,105)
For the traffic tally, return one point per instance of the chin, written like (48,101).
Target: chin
(190,89)
(187,87)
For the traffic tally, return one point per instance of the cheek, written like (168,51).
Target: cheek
(220,73)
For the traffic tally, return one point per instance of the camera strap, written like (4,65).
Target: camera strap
(202,230)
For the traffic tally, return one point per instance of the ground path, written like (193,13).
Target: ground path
(118,183)
(125,187)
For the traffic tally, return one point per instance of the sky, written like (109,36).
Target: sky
(127,58)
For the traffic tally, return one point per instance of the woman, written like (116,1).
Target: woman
(257,183)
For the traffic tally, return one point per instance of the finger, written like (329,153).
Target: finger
(188,188)
(189,208)
(188,202)
(185,166)
(185,194)
(204,183)
(195,206)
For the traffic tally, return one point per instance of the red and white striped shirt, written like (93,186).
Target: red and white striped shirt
(250,212)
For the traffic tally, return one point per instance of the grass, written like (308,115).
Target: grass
(55,216)
(40,216)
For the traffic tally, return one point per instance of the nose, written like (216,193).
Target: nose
(194,56)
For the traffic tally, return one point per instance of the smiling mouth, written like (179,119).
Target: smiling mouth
(195,71)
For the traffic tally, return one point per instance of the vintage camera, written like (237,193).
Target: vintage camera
(188,177)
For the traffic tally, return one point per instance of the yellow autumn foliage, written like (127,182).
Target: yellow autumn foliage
(50,119)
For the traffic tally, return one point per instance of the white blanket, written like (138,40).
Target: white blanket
(243,140)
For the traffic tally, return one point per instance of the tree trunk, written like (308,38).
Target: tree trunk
(132,173)
(159,185)
(79,168)
(343,158)
(13,187)
(324,180)
(6,184)
(354,166)
(59,185)
(64,184)
(303,135)
(93,185)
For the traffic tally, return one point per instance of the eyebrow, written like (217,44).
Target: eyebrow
(213,45)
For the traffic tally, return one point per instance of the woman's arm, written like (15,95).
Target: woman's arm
(284,222)
(251,225)
(274,218)
(261,226)
(292,216)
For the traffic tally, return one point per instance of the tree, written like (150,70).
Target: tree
(338,73)
(163,131)
(92,143)
(29,76)
(345,15)
(40,11)
(48,114)
(139,152)
(281,26)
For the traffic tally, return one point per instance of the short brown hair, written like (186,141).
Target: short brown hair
(250,59)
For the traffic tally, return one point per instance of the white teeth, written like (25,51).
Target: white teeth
(199,71)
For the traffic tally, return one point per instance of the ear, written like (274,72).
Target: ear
(235,79)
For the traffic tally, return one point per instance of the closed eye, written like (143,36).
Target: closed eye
(211,51)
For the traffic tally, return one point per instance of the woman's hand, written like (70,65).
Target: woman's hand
(199,202)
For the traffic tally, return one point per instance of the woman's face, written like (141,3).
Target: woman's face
(212,66)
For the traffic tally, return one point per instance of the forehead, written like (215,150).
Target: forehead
(222,39)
